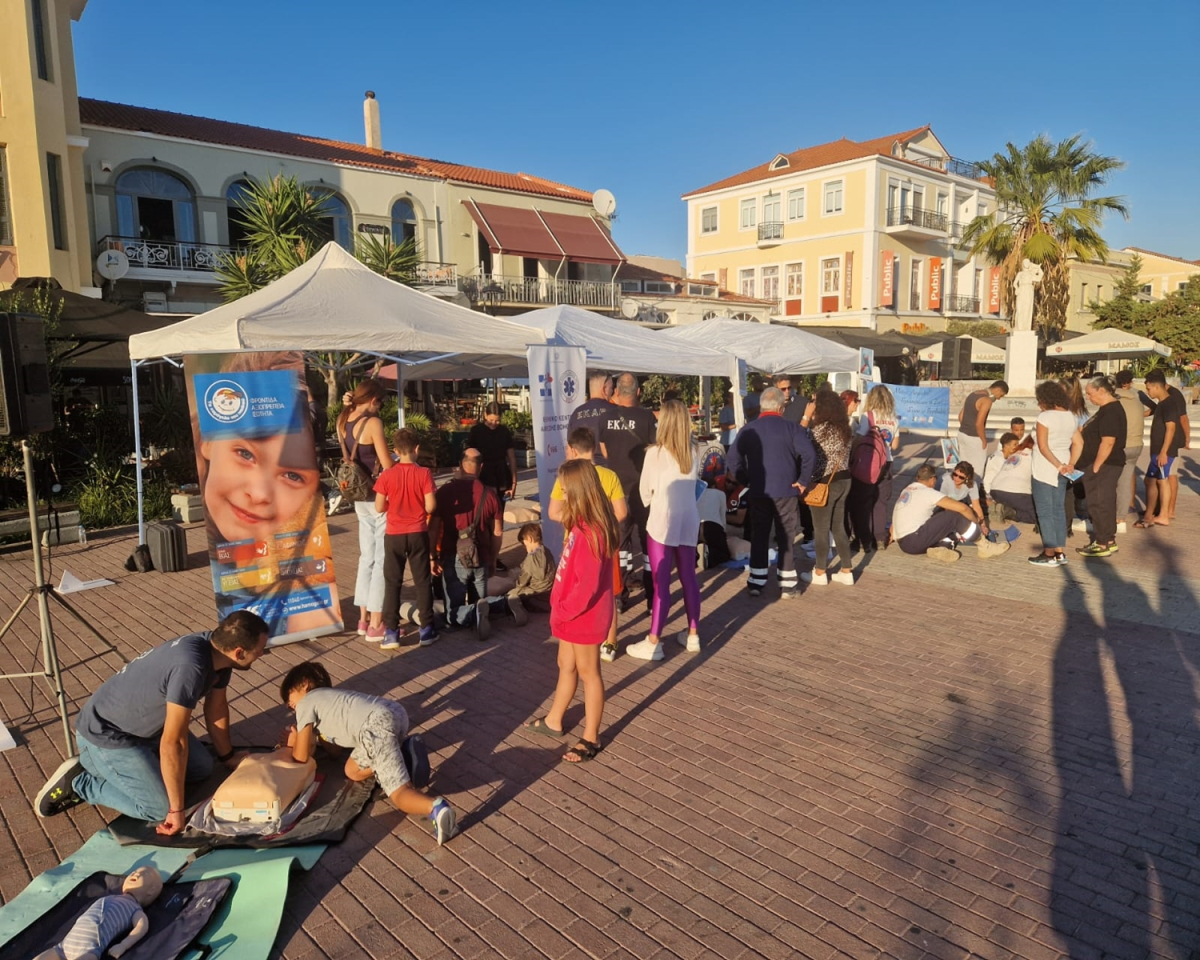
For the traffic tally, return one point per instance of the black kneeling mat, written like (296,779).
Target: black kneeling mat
(177,917)
(327,819)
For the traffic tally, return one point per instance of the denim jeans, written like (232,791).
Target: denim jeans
(368,585)
(1050,502)
(460,608)
(129,779)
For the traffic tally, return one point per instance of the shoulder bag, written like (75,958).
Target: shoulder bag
(467,549)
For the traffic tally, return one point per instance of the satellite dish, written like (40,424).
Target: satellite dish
(112,264)
(629,308)
(604,203)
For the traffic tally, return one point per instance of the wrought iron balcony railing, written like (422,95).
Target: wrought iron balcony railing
(958,304)
(430,273)
(953,166)
(770,231)
(167,254)
(916,217)
(539,291)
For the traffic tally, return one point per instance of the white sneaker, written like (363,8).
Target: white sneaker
(942,554)
(817,581)
(988,549)
(645,650)
(843,576)
(689,640)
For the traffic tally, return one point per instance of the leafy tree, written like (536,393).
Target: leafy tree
(1047,213)
(1174,320)
(976,328)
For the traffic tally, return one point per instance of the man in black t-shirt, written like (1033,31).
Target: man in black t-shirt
(626,432)
(594,412)
(1102,460)
(135,749)
(1166,437)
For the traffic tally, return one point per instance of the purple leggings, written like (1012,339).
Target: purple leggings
(662,558)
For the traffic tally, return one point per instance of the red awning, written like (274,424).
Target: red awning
(544,236)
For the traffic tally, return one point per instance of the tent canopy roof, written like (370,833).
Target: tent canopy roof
(772,349)
(1108,342)
(333,302)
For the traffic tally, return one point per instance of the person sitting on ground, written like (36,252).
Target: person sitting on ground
(1008,479)
(581,445)
(960,484)
(925,521)
(373,727)
(535,579)
(135,749)
(1025,439)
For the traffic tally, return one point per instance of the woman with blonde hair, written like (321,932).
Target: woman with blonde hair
(360,432)
(582,604)
(867,505)
(668,488)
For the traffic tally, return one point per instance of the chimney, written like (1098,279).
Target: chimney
(371,121)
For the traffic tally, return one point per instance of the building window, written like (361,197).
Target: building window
(749,214)
(833,197)
(796,204)
(700,290)
(746,282)
(710,315)
(770,283)
(918,199)
(772,208)
(942,202)
(794,280)
(979,285)
(336,224)
(1181,286)
(404,222)
(708,220)
(914,285)
(631,286)
(41,45)
(709,276)
(155,205)
(54,182)
(658,286)
(237,197)
(831,277)
(6,233)
(1147,288)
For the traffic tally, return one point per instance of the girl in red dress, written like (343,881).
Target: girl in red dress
(581,604)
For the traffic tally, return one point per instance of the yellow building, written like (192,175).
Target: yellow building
(43,211)
(1093,282)
(849,234)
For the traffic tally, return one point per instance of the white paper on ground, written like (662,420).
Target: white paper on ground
(72,584)
(6,739)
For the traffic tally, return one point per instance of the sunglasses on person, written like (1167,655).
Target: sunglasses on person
(960,476)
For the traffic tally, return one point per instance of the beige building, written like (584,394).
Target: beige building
(653,290)
(165,189)
(1092,282)
(43,219)
(848,234)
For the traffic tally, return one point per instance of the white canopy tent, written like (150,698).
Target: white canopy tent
(772,349)
(332,302)
(982,352)
(611,344)
(1109,342)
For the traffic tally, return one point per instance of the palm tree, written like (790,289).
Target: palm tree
(1046,213)
(285,224)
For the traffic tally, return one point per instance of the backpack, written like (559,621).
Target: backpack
(352,478)
(467,549)
(869,457)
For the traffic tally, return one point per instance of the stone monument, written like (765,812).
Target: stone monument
(1020,361)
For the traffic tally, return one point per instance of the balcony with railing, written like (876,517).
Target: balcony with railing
(493,289)
(959,304)
(952,166)
(916,221)
(770,233)
(430,273)
(168,259)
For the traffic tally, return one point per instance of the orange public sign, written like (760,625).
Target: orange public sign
(994,291)
(887,293)
(935,283)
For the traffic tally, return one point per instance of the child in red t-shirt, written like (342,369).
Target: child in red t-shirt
(581,604)
(405,493)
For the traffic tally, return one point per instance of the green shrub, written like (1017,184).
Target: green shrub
(107,497)
(517,420)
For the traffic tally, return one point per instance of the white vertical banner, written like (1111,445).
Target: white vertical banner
(556,379)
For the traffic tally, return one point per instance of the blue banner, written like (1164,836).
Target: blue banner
(248,403)
(920,408)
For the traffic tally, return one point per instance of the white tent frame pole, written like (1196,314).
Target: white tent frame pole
(137,450)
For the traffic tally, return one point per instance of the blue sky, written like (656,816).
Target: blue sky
(654,99)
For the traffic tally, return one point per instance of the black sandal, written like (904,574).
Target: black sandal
(583,751)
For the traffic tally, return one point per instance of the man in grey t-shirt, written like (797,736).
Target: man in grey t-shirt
(135,750)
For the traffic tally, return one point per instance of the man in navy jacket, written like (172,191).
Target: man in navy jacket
(774,458)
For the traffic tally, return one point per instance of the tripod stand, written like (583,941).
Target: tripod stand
(43,592)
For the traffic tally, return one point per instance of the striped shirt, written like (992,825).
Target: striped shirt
(106,920)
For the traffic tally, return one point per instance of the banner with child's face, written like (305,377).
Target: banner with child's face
(260,480)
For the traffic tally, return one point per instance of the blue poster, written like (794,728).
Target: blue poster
(920,408)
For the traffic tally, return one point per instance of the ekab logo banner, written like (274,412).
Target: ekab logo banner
(559,374)
(264,509)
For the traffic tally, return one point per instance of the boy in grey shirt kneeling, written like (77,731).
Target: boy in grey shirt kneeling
(373,727)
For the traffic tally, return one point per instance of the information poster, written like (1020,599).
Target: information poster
(268,537)
(556,379)
(920,408)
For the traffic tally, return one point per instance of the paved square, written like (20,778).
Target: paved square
(982,760)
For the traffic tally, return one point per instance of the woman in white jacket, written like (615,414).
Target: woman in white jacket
(668,488)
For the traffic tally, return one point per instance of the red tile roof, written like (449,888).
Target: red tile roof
(808,158)
(101,113)
(1165,256)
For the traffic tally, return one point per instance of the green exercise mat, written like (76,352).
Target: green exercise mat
(245,926)
(101,853)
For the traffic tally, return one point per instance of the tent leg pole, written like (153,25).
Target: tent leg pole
(400,396)
(137,452)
